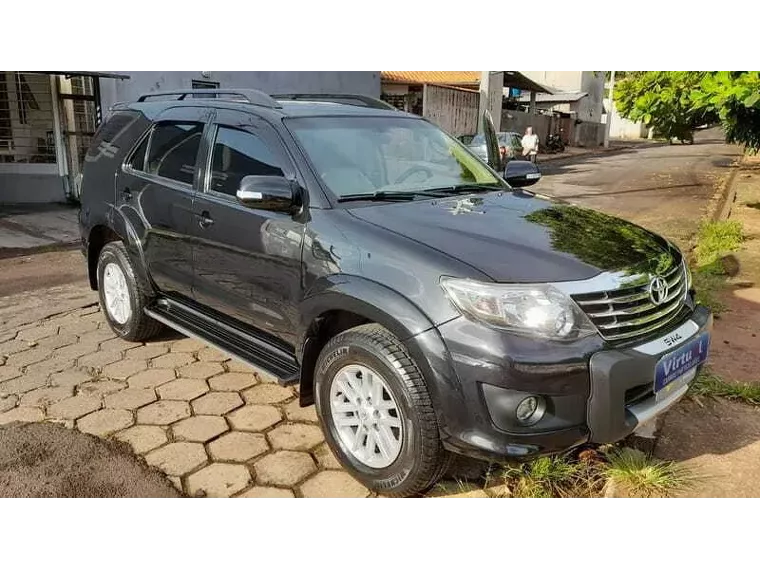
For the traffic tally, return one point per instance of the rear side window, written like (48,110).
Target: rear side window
(173,150)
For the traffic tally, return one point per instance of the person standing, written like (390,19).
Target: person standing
(530,144)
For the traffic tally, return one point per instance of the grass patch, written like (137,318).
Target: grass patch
(710,385)
(590,473)
(638,475)
(715,239)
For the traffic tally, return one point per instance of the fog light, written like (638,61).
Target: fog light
(530,410)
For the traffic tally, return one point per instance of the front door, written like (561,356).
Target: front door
(157,188)
(247,261)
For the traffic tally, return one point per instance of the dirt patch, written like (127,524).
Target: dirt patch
(39,460)
(45,270)
(735,351)
(717,439)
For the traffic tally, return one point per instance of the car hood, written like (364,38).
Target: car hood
(519,236)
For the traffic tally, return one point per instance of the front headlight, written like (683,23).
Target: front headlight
(530,309)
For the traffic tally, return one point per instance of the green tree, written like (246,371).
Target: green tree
(661,100)
(734,96)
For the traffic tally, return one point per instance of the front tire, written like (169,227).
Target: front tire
(122,298)
(377,414)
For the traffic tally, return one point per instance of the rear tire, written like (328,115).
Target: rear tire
(122,297)
(367,372)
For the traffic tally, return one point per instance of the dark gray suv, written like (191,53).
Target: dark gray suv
(427,306)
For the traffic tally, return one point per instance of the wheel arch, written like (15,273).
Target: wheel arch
(340,302)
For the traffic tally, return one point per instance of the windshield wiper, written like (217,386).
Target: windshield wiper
(387,196)
(461,188)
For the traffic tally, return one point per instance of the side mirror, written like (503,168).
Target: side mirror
(272,193)
(521,173)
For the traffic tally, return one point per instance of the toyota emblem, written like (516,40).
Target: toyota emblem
(658,290)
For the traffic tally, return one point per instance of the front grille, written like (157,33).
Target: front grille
(628,313)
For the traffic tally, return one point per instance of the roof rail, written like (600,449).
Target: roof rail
(252,96)
(355,100)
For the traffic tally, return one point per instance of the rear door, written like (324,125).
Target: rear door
(247,261)
(158,187)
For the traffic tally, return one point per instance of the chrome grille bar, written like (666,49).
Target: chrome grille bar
(629,312)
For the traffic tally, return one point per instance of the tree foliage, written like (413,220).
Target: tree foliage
(676,102)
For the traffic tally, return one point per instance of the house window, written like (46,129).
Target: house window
(26,118)
(204,85)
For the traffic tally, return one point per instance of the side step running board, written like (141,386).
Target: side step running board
(228,339)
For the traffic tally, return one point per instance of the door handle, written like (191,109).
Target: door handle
(126,194)
(205,220)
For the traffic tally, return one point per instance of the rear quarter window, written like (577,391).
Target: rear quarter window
(115,136)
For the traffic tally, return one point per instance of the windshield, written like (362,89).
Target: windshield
(363,155)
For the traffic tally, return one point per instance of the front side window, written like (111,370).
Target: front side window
(174,149)
(357,155)
(237,154)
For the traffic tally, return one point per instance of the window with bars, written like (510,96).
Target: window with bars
(26,118)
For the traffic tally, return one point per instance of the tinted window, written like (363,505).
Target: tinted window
(138,158)
(238,154)
(173,150)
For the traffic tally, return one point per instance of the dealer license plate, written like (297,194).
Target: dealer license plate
(679,367)
(532,176)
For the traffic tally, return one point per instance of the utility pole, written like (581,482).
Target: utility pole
(610,110)
(485,100)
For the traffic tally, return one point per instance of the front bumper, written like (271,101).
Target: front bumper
(592,393)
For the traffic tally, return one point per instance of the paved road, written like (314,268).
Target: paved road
(632,183)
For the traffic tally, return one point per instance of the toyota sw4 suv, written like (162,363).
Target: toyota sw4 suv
(427,307)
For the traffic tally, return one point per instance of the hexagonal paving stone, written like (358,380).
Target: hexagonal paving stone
(296,436)
(37,333)
(8,372)
(212,355)
(177,459)
(146,352)
(98,360)
(232,381)
(100,387)
(74,407)
(326,458)
(75,350)
(183,389)
(172,360)
(151,378)
(267,393)
(58,341)
(200,428)
(7,403)
(50,365)
(218,480)
(284,468)
(22,384)
(187,345)
(46,396)
(143,438)
(23,414)
(112,345)
(239,367)
(296,413)
(254,417)
(124,369)
(105,422)
(264,377)
(333,484)
(27,357)
(200,370)
(131,398)
(163,413)
(71,377)
(238,447)
(217,403)
(267,492)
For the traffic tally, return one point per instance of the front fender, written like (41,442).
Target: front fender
(364,297)
(393,311)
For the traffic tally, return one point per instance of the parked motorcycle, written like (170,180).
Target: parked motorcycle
(554,144)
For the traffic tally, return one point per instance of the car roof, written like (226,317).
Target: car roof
(285,108)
